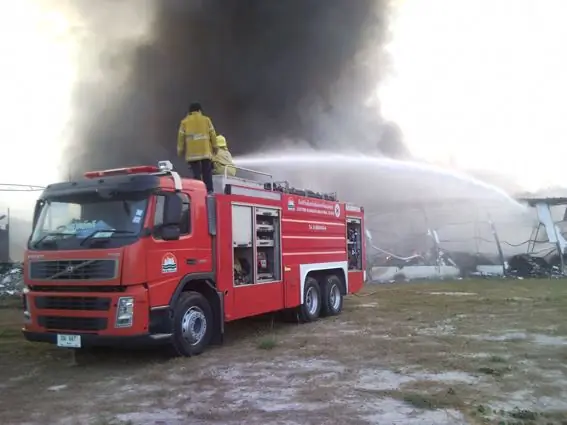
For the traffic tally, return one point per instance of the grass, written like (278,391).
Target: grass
(10,302)
(10,333)
(426,399)
(497,359)
(446,399)
(267,343)
(497,356)
(494,371)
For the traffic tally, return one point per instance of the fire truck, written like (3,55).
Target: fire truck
(141,255)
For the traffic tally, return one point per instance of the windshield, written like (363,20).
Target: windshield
(87,221)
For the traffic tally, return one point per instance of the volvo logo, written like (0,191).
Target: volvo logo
(67,272)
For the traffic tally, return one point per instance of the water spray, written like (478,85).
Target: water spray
(7,187)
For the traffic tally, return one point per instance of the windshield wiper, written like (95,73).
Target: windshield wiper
(127,208)
(96,232)
(40,240)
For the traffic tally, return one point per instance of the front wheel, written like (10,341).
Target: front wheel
(311,307)
(332,296)
(193,324)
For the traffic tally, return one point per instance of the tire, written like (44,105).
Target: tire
(311,307)
(332,296)
(192,324)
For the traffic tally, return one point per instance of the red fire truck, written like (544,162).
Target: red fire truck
(141,255)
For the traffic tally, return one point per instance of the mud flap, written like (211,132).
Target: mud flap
(218,336)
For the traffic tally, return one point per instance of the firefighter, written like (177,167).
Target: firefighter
(197,140)
(223,159)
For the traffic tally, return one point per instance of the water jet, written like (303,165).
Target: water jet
(403,197)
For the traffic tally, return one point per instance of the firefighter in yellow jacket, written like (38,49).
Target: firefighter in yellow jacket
(222,160)
(197,141)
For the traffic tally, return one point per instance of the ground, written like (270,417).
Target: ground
(465,352)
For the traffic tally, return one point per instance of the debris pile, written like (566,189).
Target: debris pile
(530,265)
(11,279)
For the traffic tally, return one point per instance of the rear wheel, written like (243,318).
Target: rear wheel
(332,296)
(311,307)
(192,324)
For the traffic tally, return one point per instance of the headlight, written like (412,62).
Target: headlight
(125,312)
(27,314)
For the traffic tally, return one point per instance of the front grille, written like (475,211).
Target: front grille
(73,270)
(76,288)
(72,303)
(73,323)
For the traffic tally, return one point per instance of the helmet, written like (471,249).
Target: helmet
(195,107)
(221,141)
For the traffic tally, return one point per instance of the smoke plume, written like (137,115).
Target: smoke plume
(269,73)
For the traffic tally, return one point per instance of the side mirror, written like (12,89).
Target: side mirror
(172,210)
(170,233)
(170,230)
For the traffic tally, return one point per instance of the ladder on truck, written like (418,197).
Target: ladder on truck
(257,180)
(263,181)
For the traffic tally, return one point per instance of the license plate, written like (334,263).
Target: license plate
(69,341)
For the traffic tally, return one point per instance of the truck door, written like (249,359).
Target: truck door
(256,241)
(169,261)
(355,254)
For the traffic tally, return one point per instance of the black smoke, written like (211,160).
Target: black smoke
(268,72)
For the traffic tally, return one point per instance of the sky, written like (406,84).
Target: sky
(37,74)
(481,85)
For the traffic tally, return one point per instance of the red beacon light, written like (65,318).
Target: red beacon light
(121,171)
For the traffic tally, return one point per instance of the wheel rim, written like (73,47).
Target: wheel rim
(335,297)
(194,325)
(311,301)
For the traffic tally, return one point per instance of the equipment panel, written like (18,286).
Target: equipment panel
(268,250)
(354,243)
(241,226)
(256,245)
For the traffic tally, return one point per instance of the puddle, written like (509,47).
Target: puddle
(444,327)
(395,412)
(549,340)
(282,374)
(368,305)
(140,388)
(160,417)
(540,339)
(383,380)
(438,330)
(314,365)
(350,331)
(453,294)
(479,355)
(513,336)
(274,400)
(381,336)
(57,387)
(553,376)
(527,400)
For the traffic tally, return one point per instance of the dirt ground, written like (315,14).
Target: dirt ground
(465,352)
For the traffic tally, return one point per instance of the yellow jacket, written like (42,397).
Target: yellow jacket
(197,138)
(222,160)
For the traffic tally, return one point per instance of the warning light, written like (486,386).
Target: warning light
(165,166)
(121,171)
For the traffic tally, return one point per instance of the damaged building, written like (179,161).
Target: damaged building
(5,237)
(546,247)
